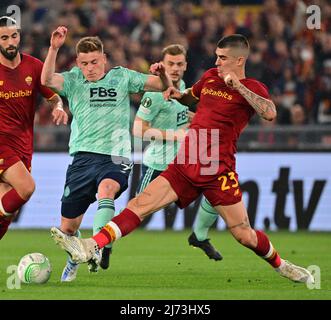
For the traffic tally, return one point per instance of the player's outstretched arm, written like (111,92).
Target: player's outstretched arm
(143,129)
(186,97)
(160,80)
(48,76)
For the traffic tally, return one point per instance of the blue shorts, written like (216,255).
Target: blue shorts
(84,176)
(147,175)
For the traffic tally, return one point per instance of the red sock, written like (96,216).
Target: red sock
(11,201)
(4,224)
(265,250)
(118,227)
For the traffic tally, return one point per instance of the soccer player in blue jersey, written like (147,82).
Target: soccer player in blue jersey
(100,139)
(164,123)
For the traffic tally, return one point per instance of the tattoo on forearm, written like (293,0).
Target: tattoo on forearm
(261,105)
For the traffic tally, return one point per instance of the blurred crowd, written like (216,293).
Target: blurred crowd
(291,59)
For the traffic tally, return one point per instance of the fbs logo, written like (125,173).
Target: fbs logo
(28,80)
(103,93)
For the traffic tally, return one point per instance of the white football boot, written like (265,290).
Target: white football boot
(294,273)
(69,272)
(93,264)
(80,250)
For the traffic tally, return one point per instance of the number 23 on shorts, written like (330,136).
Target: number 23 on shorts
(228,181)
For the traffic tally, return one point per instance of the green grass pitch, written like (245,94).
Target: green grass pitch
(160,265)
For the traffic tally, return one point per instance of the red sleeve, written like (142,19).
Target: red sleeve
(197,87)
(258,88)
(47,92)
(44,91)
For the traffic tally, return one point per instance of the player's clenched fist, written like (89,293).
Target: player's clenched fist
(58,37)
(172,93)
(232,81)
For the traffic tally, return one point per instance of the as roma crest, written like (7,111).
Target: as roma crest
(28,80)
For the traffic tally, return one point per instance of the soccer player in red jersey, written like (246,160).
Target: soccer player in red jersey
(205,162)
(19,86)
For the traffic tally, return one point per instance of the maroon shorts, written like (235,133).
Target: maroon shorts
(222,189)
(9,157)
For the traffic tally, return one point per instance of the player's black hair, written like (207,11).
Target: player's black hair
(237,41)
(6,21)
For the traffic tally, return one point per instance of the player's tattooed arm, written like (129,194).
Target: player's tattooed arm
(265,108)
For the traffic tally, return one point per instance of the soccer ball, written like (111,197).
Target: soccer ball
(34,268)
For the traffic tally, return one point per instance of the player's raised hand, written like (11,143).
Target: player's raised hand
(58,37)
(157,69)
(172,93)
(59,116)
(231,80)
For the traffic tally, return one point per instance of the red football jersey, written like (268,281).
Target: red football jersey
(18,93)
(222,114)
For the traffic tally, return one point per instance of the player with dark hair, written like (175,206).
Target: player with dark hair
(205,162)
(100,140)
(19,88)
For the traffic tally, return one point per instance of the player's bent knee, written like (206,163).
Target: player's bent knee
(27,191)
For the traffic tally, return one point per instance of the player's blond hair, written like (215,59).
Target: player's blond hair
(89,44)
(173,50)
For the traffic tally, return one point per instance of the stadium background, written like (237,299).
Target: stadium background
(284,165)
(291,59)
